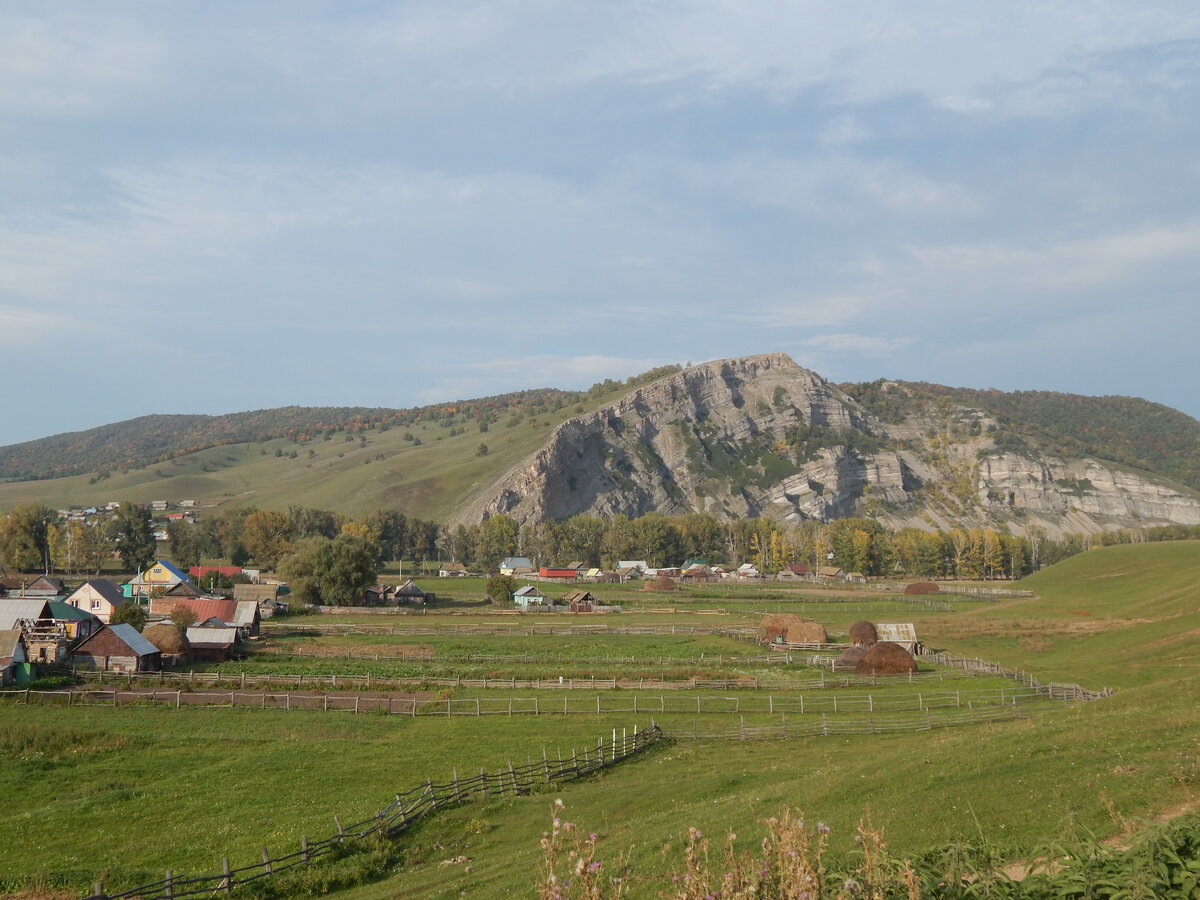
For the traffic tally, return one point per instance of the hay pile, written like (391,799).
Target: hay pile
(793,630)
(167,638)
(662,583)
(848,660)
(863,634)
(886,658)
(921,587)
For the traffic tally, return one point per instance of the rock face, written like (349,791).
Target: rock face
(763,436)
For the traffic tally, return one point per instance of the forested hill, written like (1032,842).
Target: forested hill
(1127,430)
(155,438)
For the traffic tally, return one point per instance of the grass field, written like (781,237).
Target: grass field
(134,791)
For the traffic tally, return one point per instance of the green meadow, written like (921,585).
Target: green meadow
(124,794)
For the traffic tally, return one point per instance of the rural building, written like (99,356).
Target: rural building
(44,586)
(580,600)
(516,565)
(557,574)
(378,595)
(529,596)
(117,648)
(212,643)
(100,597)
(203,607)
(247,618)
(793,570)
(831,573)
(409,593)
(14,662)
(902,633)
(156,579)
(266,596)
(20,613)
(452,570)
(78,623)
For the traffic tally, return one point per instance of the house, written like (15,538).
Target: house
(378,595)
(14,662)
(184,589)
(516,565)
(410,593)
(156,579)
(452,570)
(856,578)
(78,623)
(100,597)
(558,574)
(580,601)
(627,573)
(266,596)
(212,643)
(640,564)
(792,571)
(529,596)
(117,648)
(748,572)
(579,566)
(46,587)
(830,573)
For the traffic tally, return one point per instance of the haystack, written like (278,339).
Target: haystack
(921,587)
(848,659)
(863,634)
(792,630)
(167,638)
(661,583)
(886,658)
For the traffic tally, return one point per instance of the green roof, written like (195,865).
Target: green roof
(61,610)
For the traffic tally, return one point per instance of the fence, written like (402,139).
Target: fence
(405,810)
(613,704)
(521,629)
(889,724)
(1054,690)
(704,659)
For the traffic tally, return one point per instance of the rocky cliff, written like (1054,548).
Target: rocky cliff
(763,436)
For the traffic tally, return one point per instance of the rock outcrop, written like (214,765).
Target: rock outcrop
(763,436)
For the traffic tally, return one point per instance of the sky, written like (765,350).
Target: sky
(222,206)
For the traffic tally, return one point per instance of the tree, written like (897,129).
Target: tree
(133,535)
(183,617)
(265,536)
(130,614)
(482,450)
(25,538)
(184,549)
(497,540)
(501,588)
(332,572)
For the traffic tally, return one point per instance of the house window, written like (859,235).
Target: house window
(95,604)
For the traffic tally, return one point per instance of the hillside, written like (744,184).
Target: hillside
(756,436)
(762,436)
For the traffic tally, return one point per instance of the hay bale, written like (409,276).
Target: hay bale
(167,638)
(792,629)
(662,583)
(921,587)
(886,658)
(847,660)
(863,634)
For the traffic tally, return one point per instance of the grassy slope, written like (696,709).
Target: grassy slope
(1015,783)
(429,481)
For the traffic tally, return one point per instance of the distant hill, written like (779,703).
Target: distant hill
(756,436)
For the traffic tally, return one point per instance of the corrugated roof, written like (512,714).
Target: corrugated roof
(255,592)
(133,639)
(13,609)
(207,636)
(10,639)
(528,591)
(208,607)
(62,610)
(245,613)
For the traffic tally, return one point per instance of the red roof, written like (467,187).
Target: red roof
(204,607)
(557,573)
(226,571)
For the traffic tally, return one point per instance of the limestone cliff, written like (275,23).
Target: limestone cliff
(763,436)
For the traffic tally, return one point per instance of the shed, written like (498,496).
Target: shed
(246,617)
(516,565)
(211,643)
(452,570)
(580,600)
(14,662)
(16,611)
(204,607)
(117,648)
(410,593)
(902,633)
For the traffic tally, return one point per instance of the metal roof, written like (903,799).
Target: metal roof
(133,639)
(245,613)
(13,609)
(206,635)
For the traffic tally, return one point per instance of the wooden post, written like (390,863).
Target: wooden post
(98,891)
(304,847)
(266,861)
(227,881)
(356,699)
(338,823)
(169,884)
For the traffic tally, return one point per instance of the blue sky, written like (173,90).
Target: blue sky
(220,206)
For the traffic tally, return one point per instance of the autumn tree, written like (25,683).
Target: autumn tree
(132,533)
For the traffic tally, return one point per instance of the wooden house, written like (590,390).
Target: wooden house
(408,593)
(793,571)
(154,580)
(78,623)
(556,574)
(205,607)
(19,613)
(832,573)
(247,618)
(117,648)
(100,597)
(516,565)
(452,570)
(580,601)
(529,596)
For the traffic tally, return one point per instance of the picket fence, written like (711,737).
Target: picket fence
(407,809)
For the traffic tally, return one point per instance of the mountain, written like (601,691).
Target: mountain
(753,436)
(761,436)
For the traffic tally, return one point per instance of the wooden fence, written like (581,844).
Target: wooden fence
(871,724)
(704,659)
(983,667)
(620,703)
(520,629)
(404,811)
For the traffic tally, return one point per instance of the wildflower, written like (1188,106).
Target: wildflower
(558,804)
(594,866)
(851,884)
(822,828)
(593,836)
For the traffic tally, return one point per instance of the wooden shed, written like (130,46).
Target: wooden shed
(117,648)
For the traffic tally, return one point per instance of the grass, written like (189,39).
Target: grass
(129,790)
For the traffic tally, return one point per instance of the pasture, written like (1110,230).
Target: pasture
(125,793)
